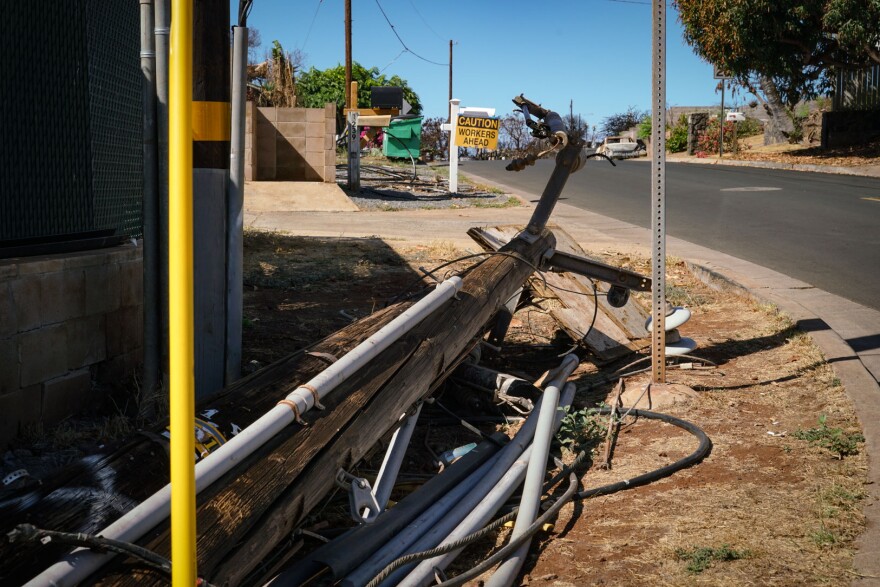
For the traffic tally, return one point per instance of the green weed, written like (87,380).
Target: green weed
(835,440)
(700,558)
(579,427)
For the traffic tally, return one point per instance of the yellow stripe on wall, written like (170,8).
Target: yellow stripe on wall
(211,121)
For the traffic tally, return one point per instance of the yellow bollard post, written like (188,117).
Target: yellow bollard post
(180,297)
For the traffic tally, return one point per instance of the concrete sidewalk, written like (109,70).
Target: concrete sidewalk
(860,170)
(847,333)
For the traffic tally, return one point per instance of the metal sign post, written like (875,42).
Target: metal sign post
(722,75)
(721,121)
(658,193)
(453,148)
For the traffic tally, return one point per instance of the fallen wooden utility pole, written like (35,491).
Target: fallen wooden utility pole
(257,506)
(93,493)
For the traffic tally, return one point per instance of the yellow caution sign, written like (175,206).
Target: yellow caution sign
(477,132)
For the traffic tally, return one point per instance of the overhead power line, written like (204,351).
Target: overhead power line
(311,26)
(405,48)
(425,21)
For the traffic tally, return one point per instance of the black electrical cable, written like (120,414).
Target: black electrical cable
(487,255)
(30,533)
(497,557)
(702,451)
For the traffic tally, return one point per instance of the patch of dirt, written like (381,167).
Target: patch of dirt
(854,156)
(791,507)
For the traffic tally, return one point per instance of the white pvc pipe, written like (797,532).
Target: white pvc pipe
(387,475)
(530,502)
(81,563)
(422,573)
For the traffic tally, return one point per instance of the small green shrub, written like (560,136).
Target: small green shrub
(579,427)
(749,128)
(645,128)
(701,558)
(678,139)
(835,440)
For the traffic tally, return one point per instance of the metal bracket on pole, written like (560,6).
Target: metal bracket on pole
(360,494)
(658,193)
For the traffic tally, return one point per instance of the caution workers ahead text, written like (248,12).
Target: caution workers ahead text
(481,133)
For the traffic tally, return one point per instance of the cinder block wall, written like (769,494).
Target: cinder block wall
(66,321)
(291,144)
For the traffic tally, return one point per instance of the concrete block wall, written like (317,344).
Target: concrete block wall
(292,144)
(65,322)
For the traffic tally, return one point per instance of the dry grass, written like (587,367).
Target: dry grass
(792,505)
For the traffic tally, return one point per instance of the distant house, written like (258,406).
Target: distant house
(756,111)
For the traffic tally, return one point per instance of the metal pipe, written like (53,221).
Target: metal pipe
(180,295)
(81,563)
(235,208)
(151,313)
(390,467)
(530,501)
(161,30)
(483,510)
(567,161)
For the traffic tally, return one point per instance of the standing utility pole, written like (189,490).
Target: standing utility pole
(347,52)
(450,80)
(210,150)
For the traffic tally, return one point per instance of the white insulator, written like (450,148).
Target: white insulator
(674,319)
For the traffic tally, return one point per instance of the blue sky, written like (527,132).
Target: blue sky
(595,52)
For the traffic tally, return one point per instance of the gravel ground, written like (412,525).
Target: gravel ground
(385,187)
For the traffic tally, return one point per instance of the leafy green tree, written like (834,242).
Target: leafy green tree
(316,87)
(783,51)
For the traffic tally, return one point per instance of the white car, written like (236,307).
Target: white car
(621,147)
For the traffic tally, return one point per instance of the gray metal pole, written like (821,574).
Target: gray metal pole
(721,122)
(658,193)
(150,214)
(235,207)
(161,31)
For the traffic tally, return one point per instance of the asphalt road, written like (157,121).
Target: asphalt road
(820,228)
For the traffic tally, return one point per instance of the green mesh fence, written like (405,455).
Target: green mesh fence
(70,119)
